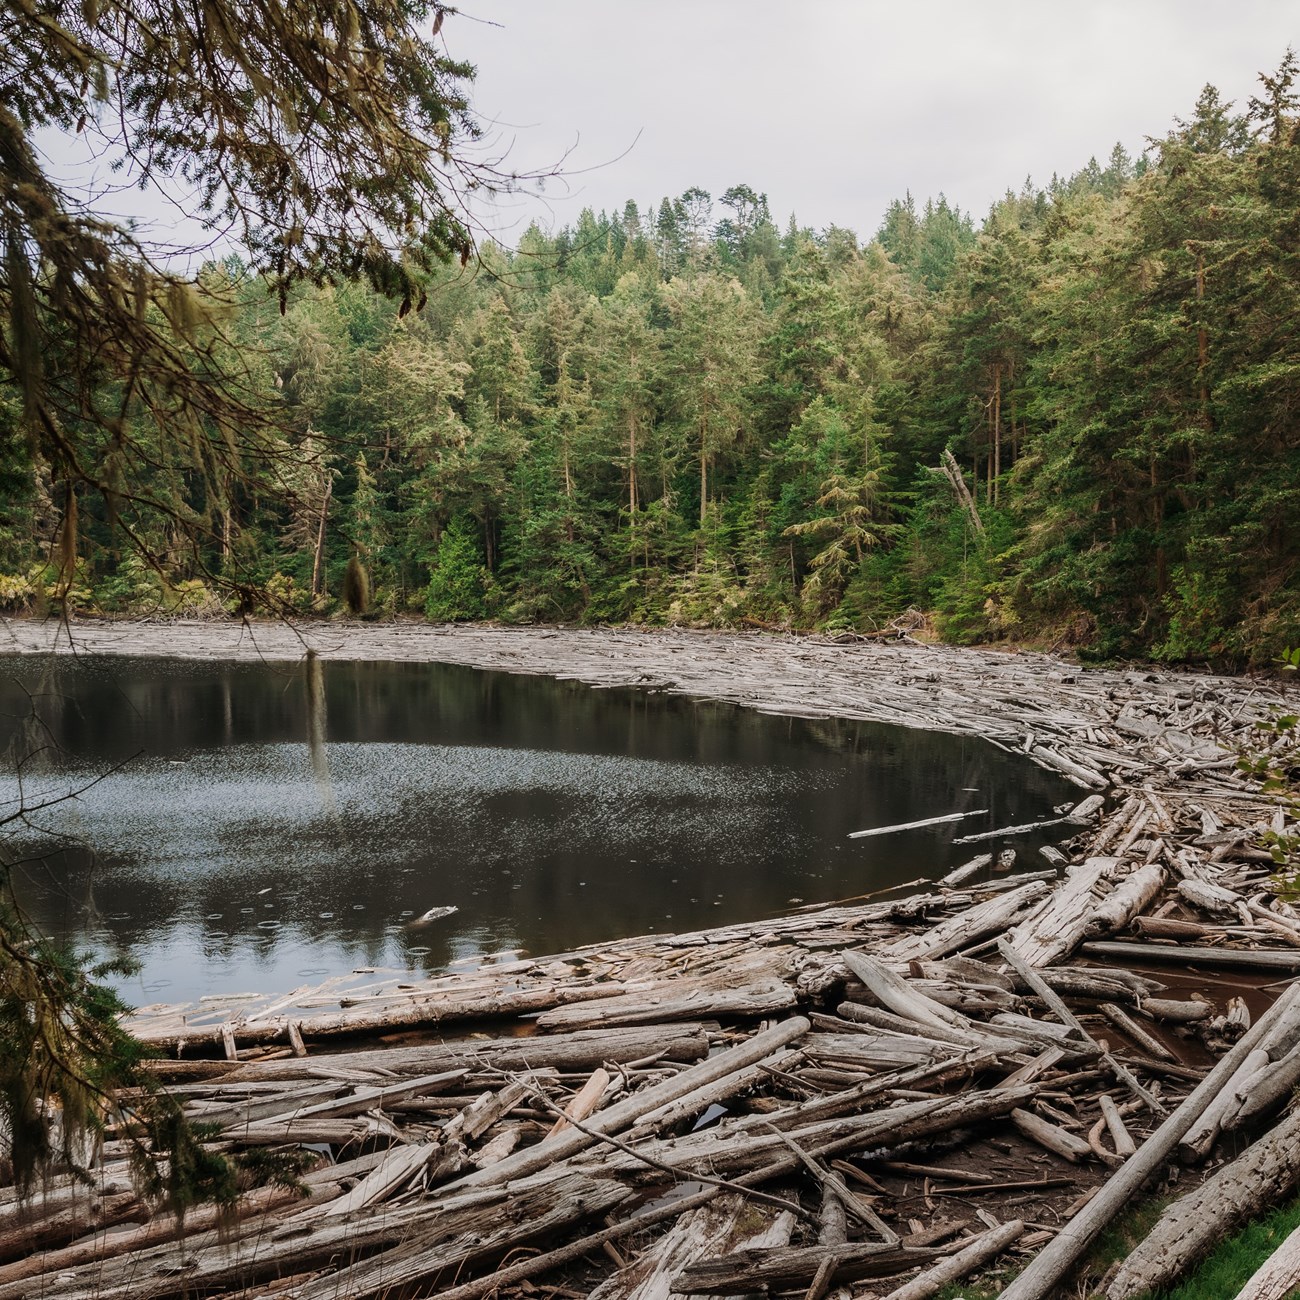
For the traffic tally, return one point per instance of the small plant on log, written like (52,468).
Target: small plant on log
(1274,761)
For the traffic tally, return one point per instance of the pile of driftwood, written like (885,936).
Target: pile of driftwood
(870,1098)
(867,1099)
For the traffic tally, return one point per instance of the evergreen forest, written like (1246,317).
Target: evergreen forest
(1075,423)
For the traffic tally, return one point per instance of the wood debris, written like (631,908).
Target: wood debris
(902,1090)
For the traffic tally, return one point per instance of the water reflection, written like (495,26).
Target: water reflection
(248,843)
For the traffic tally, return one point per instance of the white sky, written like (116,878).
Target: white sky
(835,107)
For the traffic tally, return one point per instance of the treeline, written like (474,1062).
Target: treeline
(1077,423)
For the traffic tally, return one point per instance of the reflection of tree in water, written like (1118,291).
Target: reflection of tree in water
(551,815)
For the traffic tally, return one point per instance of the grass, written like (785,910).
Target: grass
(1221,1275)
(1231,1264)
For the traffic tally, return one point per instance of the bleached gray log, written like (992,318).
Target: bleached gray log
(992,916)
(1056,1259)
(1279,1275)
(728,1223)
(766,1271)
(1131,896)
(677,1000)
(1177,1011)
(988,1246)
(1198,1141)
(968,869)
(1263,1175)
(1058,1140)
(624,1114)
(1209,897)
(580,1050)
(1276,1081)
(1051,933)
(1067,1017)
(1125,1023)
(900,997)
(1287,959)
(714,1094)
(1086,809)
(1119,1134)
(917,825)
(1023,829)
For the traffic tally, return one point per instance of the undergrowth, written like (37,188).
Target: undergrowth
(1222,1274)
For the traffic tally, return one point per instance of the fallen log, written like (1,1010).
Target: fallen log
(88,1214)
(727,1224)
(1052,1137)
(580,1051)
(1275,1082)
(727,994)
(1199,1140)
(1046,1270)
(1119,1134)
(1177,1012)
(1133,894)
(1125,1023)
(1053,932)
(992,916)
(795,1266)
(1262,1176)
(625,1113)
(986,1247)
(899,996)
(1068,1018)
(1279,1276)
(1287,959)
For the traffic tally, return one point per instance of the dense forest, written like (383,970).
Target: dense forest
(1076,423)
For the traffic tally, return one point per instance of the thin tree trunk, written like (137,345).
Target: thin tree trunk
(318,564)
(997,430)
(631,463)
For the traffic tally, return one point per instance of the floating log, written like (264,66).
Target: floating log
(972,868)
(1023,829)
(918,825)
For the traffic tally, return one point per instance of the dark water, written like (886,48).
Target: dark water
(213,851)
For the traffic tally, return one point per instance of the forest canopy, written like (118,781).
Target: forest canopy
(1073,422)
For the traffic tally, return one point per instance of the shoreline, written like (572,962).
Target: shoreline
(1095,726)
(925,1041)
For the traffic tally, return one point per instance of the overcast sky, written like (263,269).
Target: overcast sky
(835,107)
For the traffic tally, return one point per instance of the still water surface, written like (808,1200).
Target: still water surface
(214,852)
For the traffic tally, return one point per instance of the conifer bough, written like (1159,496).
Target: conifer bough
(328,140)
